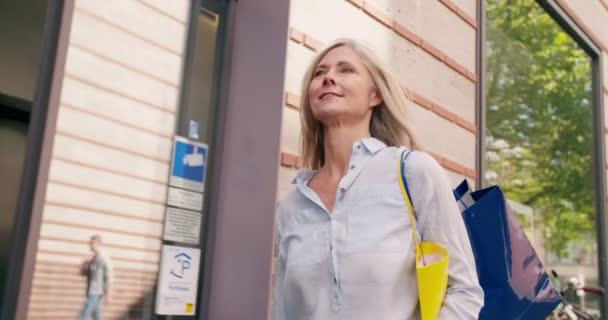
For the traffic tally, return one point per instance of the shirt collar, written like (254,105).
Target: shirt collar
(371,144)
(303,176)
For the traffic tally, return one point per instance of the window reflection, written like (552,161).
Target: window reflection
(539,136)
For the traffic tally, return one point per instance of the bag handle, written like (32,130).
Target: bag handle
(406,195)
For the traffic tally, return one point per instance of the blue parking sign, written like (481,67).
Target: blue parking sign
(188,164)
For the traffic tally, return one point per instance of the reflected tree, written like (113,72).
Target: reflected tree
(539,120)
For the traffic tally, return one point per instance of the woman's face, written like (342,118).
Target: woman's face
(342,90)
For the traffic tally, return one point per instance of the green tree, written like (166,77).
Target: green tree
(539,120)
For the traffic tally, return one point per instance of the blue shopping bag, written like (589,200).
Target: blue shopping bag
(514,281)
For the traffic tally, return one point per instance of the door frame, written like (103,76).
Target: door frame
(41,131)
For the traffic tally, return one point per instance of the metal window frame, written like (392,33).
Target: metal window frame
(570,26)
(34,179)
(221,71)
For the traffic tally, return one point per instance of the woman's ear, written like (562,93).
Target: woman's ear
(375,98)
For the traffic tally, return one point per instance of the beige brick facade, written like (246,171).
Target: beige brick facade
(110,159)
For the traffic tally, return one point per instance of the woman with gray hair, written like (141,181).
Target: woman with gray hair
(344,240)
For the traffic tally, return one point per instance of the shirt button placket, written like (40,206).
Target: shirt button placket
(333,263)
(336,300)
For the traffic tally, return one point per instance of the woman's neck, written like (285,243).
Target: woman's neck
(338,147)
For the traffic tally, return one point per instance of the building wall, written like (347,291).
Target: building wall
(430,47)
(111,153)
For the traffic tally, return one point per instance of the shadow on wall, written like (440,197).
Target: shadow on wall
(143,309)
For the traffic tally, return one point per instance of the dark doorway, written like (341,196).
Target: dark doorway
(21,30)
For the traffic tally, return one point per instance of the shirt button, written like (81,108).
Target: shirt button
(352,166)
(358,146)
(342,190)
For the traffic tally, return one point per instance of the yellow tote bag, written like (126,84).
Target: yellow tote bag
(431,260)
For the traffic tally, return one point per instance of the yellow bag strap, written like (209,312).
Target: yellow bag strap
(408,201)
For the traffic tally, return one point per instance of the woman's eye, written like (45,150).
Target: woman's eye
(319,73)
(347,70)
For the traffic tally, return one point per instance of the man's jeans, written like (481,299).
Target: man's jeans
(92,308)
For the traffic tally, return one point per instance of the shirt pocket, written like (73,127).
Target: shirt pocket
(378,219)
(306,244)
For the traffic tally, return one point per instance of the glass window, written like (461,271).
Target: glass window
(539,136)
(198,116)
(202,84)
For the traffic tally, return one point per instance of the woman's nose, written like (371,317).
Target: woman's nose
(328,80)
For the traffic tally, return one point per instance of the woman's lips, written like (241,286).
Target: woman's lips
(329,95)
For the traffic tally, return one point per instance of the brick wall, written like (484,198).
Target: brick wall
(111,153)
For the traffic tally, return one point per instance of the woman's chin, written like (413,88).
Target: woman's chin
(333,116)
(329,110)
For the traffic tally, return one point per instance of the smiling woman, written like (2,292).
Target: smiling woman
(345,242)
(370,87)
(354,97)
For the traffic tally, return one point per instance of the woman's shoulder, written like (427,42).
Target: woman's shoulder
(421,161)
(417,162)
(415,159)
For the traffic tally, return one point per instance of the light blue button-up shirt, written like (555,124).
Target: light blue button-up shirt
(358,261)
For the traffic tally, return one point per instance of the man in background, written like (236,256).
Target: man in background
(98,271)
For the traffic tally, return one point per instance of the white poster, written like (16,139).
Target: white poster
(182,225)
(178,279)
(185,199)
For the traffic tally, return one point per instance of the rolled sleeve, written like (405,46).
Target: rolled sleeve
(439,220)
